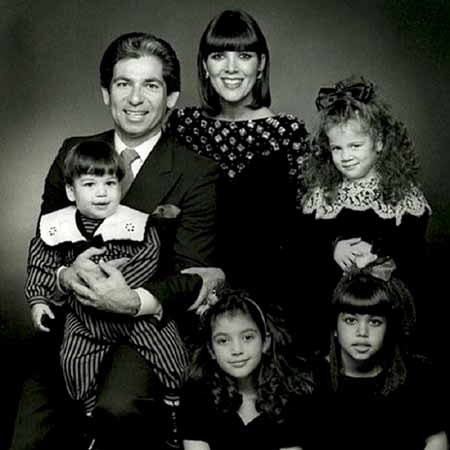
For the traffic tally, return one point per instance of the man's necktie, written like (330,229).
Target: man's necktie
(128,156)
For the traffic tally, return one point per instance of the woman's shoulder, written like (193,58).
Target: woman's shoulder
(281,124)
(187,115)
(288,117)
(285,124)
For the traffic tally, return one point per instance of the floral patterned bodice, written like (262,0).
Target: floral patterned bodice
(261,163)
(236,144)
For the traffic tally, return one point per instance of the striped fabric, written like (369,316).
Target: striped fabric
(82,351)
(90,334)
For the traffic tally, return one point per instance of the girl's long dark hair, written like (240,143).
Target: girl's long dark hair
(365,294)
(278,377)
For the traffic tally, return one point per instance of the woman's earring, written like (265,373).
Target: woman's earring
(379,145)
(259,76)
(206,75)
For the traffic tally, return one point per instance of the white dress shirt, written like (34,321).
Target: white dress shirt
(143,150)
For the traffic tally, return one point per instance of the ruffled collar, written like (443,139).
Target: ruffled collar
(362,196)
(61,226)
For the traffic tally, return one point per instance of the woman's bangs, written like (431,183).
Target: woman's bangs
(232,40)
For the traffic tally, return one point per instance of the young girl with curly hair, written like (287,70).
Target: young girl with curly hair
(363,199)
(242,393)
(372,391)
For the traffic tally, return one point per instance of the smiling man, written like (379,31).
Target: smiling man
(140,82)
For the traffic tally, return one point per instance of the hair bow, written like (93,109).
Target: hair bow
(381,268)
(328,95)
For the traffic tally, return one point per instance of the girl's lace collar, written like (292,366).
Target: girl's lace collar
(362,196)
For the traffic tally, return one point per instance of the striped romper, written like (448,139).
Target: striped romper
(89,334)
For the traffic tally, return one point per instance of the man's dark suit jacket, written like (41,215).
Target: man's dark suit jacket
(171,174)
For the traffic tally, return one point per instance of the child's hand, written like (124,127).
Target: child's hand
(346,252)
(366,256)
(38,314)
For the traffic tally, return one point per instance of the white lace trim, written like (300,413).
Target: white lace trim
(363,196)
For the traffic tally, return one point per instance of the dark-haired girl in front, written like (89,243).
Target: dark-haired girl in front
(373,391)
(243,390)
(260,152)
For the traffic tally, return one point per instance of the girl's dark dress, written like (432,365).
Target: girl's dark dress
(200,420)
(261,163)
(358,211)
(358,417)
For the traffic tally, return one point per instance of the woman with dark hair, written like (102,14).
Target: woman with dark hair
(260,152)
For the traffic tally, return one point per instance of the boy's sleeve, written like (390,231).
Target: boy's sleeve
(143,265)
(41,267)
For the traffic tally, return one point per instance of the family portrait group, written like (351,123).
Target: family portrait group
(233,245)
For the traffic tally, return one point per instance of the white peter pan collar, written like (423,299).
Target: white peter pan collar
(125,224)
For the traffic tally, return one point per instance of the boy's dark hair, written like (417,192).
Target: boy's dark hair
(92,158)
(233,30)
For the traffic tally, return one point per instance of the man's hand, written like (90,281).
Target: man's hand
(38,313)
(213,278)
(69,277)
(108,293)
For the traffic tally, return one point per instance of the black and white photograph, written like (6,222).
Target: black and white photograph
(226,224)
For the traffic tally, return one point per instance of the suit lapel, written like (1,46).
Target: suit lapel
(155,179)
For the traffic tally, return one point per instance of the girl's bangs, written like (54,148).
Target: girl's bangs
(377,304)
(233,308)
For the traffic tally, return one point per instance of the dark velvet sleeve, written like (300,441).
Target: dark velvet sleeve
(195,415)
(407,245)
(429,390)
